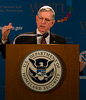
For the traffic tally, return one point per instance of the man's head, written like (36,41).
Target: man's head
(45,19)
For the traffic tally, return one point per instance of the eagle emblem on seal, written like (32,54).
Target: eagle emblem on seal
(42,70)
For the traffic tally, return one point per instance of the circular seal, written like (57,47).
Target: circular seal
(41,70)
(82,56)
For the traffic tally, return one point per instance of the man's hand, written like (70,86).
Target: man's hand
(6,31)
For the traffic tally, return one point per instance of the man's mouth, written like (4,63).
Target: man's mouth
(42,26)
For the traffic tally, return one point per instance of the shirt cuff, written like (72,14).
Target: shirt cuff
(3,41)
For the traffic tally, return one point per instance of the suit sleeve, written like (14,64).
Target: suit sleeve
(3,48)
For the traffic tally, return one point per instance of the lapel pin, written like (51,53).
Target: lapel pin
(54,41)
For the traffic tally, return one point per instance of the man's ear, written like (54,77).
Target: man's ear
(53,22)
(36,17)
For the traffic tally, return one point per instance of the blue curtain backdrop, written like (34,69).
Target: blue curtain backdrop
(21,13)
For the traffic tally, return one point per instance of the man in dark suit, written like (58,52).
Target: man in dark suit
(45,19)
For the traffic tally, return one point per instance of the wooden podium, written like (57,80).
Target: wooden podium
(68,87)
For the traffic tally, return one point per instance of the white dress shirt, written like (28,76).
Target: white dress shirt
(39,38)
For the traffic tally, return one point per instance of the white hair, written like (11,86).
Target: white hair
(47,8)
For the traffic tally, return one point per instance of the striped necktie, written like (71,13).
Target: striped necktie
(43,41)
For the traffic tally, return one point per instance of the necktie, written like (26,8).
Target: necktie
(43,41)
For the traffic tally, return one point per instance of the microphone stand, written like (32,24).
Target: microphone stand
(37,35)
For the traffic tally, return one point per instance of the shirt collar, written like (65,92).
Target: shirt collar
(39,38)
(41,33)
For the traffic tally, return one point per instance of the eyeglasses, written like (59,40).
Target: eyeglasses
(46,19)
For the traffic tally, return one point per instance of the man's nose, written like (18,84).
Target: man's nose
(43,21)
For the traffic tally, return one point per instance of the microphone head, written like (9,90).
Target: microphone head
(45,34)
(38,35)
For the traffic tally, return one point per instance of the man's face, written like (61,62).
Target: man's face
(44,21)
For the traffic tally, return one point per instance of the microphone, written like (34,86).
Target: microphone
(45,34)
(37,35)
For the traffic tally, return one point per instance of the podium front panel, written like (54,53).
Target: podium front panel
(68,87)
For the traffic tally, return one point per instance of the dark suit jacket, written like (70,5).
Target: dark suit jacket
(3,48)
(54,39)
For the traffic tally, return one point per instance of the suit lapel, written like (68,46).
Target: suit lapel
(35,39)
(52,39)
